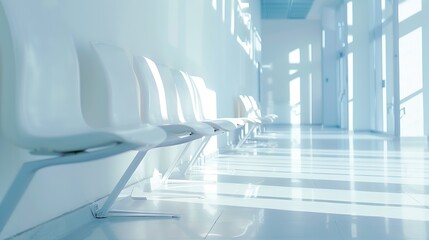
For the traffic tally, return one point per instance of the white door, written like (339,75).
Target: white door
(387,77)
(382,47)
(342,66)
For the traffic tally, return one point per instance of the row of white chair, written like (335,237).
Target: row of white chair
(249,109)
(135,105)
(166,102)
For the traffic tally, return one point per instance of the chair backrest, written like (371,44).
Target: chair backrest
(255,106)
(159,93)
(200,90)
(174,107)
(187,96)
(117,84)
(245,107)
(40,88)
(152,91)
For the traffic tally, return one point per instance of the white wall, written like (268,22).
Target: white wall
(425,60)
(291,90)
(196,36)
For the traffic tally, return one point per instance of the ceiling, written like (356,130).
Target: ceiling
(294,9)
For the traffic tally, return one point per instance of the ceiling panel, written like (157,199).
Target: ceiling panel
(285,9)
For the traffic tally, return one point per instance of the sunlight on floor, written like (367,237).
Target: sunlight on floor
(291,184)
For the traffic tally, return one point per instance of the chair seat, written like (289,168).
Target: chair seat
(195,128)
(266,119)
(252,120)
(142,135)
(223,125)
(202,129)
(184,132)
(273,116)
(71,143)
(239,122)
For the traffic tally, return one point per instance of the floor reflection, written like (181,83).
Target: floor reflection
(295,183)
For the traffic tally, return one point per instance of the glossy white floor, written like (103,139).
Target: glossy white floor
(293,183)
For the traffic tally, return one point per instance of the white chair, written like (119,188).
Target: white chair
(190,103)
(243,120)
(159,100)
(156,82)
(269,118)
(246,112)
(40,99)
(200,90)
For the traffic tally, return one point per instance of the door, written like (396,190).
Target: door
(342,66)
(382,44)
(385,73)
